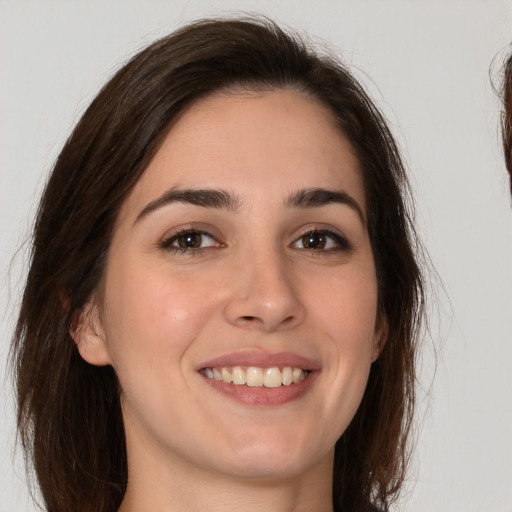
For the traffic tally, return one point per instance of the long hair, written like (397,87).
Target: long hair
(69,416)
(506,116)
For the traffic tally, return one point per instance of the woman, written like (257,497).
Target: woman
(223,302)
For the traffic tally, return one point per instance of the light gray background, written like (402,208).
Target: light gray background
(429,66)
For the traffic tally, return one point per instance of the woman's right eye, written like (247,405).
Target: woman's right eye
(189,241)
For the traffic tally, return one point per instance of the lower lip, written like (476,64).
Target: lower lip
(262,396)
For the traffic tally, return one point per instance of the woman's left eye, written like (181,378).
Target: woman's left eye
(322,240)
(190,240)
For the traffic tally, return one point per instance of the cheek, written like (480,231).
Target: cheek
(348,310)
(152,321)
(347,313)
(151,314)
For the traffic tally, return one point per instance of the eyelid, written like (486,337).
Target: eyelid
(168,239)
(343,243)
(340,240)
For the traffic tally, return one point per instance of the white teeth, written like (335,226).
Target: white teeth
(226,376)
(256,377)
(238,376)
(287,376)
(272,378)
(298,375)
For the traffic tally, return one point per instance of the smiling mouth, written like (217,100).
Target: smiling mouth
(254,376)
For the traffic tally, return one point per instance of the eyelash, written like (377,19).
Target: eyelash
(167,243)
(342,244)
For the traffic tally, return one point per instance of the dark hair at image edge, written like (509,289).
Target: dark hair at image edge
(506,116)
(69,415)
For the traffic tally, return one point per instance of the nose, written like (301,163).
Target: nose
(264,294)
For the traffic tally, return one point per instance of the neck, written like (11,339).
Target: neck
(177,486)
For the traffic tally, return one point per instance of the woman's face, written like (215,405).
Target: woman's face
(242,253)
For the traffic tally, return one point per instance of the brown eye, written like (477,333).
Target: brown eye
(189,240)
(324,240)
(313,241)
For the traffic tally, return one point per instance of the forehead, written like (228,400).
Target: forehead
(260,145)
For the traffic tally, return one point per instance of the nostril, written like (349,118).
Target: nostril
(250,319)
(288,319)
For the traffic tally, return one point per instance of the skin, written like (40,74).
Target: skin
(252,284)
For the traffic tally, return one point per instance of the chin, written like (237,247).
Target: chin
(275,458)
(267,468)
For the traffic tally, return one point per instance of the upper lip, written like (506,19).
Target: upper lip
(261,359)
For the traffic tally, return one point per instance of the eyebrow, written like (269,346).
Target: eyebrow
(316,197)
(206,198)
(224,199)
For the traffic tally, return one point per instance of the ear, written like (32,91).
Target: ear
(89,336)
(380,336)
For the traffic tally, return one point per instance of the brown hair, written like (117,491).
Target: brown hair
(69,414)
(506,116)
